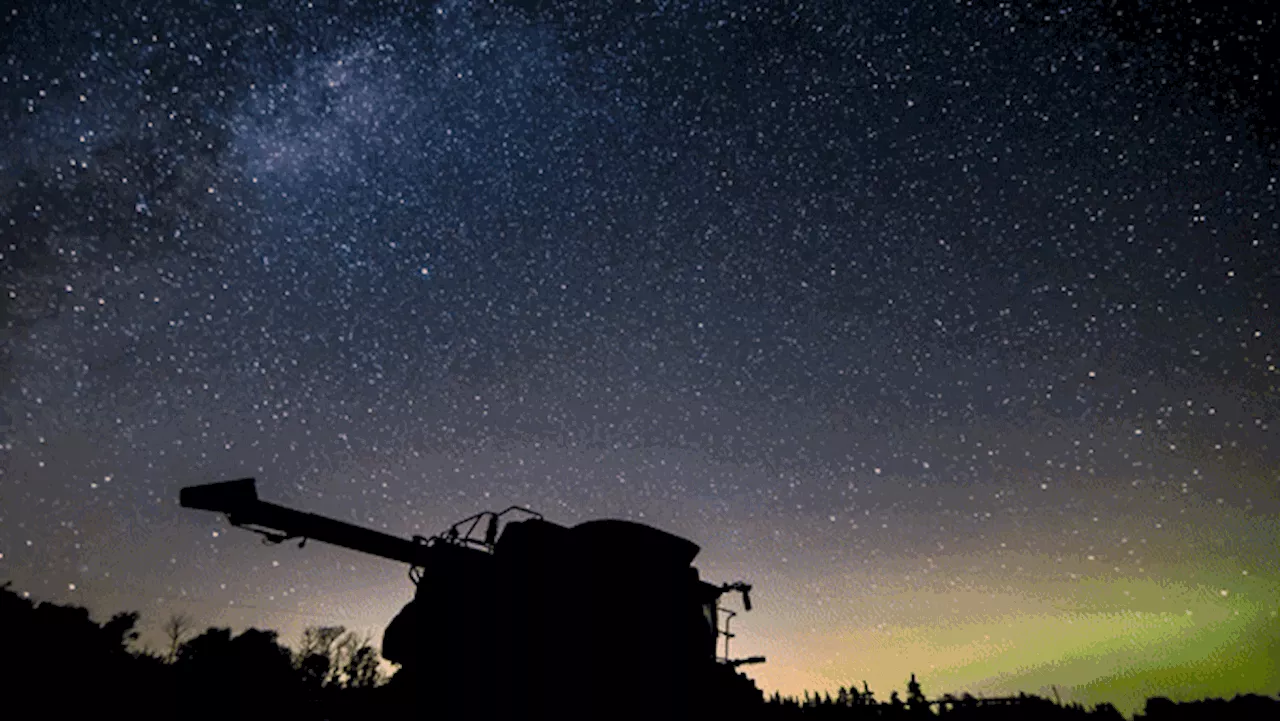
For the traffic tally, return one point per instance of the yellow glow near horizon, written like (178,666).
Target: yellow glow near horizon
(1001,643)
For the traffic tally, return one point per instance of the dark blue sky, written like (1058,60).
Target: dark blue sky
(839,292)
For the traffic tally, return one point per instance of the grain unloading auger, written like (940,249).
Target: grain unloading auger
(516,616)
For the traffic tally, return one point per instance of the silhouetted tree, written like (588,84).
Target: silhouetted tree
(362,670)
(47,642)
(896,702)
(916,702)
(177,628)
(332,657)
(948,703)
(313,669)
(320,656)
(251,671)
(340,655)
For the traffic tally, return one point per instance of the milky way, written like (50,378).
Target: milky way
(952,328)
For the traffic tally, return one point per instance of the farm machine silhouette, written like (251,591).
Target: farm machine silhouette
(516,615)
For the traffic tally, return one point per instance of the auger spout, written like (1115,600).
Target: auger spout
(238,501)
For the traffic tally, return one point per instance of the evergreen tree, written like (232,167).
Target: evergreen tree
(916,701)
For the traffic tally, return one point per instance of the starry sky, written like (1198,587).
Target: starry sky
(950,326)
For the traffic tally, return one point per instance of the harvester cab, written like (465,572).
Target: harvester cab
(514,614)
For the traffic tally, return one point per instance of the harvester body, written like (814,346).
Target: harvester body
(516,616)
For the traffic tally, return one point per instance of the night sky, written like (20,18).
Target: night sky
(951,327)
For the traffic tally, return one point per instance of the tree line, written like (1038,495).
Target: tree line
(60,660)
(65,662)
